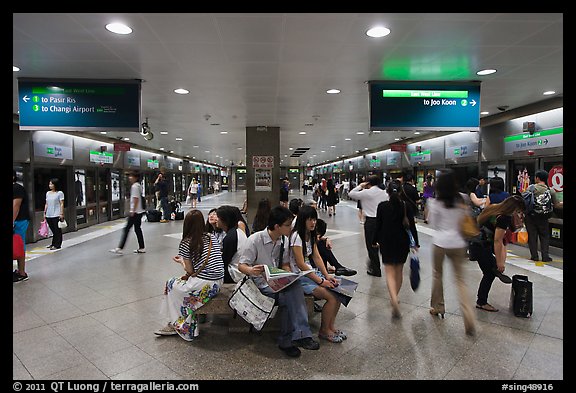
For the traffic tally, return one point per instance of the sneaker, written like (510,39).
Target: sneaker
(292,351)
(307,343)
(17,277)
(116,251)
(140,251)
(167,330)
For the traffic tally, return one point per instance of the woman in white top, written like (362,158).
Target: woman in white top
(232,244)
(445,212)
(302,248)
(193,192)
(134,217)
(54,212)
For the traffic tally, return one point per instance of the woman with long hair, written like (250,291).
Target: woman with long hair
(331,197)
(200,256)
(490,249)
(303,247)
(262,213)
(234,240)
(445,212)
(212,227)
(54,212)
(392,238)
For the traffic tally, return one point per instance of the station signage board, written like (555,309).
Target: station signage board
(424,105)
(79,104)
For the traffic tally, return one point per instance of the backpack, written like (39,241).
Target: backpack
(540,204)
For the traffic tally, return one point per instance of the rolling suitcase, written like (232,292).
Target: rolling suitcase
(153,215)
(521,296)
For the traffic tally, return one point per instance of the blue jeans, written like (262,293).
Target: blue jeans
(165,208)
(293,314)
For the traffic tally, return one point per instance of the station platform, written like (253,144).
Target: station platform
(88,314)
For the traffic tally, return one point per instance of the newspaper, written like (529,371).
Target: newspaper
(278,279)
(345,290)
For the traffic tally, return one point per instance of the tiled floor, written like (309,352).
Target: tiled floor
(88,314)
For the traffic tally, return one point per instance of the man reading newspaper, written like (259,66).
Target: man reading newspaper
(270,247)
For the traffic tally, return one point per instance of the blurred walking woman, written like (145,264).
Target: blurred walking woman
(445,213)
(54,212)
(200,256)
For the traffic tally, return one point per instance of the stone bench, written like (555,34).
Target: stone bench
(219,306)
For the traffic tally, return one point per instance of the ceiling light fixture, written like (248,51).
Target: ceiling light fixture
(333,91)
(181,91)
(487,71)
(15,69)
(378,32)
(549,92)
(118,28)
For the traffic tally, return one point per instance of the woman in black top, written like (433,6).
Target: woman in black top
(490,249)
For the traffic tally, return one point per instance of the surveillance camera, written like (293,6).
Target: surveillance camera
(503,108)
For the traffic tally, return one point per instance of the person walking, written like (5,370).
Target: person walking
(54,212)
(20,222)
(391,236)
(537,220)
(490,248)
(162,184)
(271,247)
(369,194)
(445,212)
(134,218)
(200,256)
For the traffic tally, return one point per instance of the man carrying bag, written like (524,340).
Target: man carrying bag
(264,248)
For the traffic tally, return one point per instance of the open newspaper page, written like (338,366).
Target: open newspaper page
(278,279)
(345,290)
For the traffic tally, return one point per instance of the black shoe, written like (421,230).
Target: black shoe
(504,278)
(292,351)
(344,271)
(307,343)
(547,259)
(371,273)
(534,259)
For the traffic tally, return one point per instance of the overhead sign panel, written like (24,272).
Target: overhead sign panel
(411,105)
(79,104)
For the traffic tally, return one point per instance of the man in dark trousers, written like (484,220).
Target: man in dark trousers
(162,186)
(370,195)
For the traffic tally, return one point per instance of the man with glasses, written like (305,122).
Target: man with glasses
(270,247)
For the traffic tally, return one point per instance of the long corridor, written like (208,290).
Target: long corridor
(88,314)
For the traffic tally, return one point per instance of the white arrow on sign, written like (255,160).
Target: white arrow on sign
(25,98)
(473,103)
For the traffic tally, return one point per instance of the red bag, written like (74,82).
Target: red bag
(17,246)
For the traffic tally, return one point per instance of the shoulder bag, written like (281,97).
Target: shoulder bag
(468,227)
(196,272)
(251,304)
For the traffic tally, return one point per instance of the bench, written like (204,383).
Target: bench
(219,306)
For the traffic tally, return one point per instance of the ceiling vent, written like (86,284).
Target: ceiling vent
(298,152)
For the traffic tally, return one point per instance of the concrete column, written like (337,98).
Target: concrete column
(262,141)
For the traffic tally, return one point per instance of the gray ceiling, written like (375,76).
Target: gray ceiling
(274,69)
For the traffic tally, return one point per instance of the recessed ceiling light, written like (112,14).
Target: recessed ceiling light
(171,151)
(290,148)
(187,155)
(365,148)
(416,132)
(333,91)
(195,146)
(239,148)
(486,71)
(163,132)
(206,151)
(360,133)
(485,113)
(378,31)
(376,131)
(322,151)
(347,139)
(126,139)
(161,148)
(181,91)
(178,139)
(302,133)
(332,146)
(549,92)
(15,69)
(118,28)
(103,132)
(223,132)
(396,139)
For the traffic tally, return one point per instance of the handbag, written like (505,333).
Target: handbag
(251,304)
(468,227)
(62,224)
(414,263)
(522,236)
(44,230)
(17,246)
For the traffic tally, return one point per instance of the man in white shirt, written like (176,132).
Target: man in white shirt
(370,195)
(134,216)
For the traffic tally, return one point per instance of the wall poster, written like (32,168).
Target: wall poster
(80,187)
(263,179)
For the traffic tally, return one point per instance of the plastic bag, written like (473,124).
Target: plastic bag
(62,224)
(17,246)
(44,230)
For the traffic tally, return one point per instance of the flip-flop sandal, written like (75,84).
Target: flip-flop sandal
(341,334)
(487,307)
(333,338)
